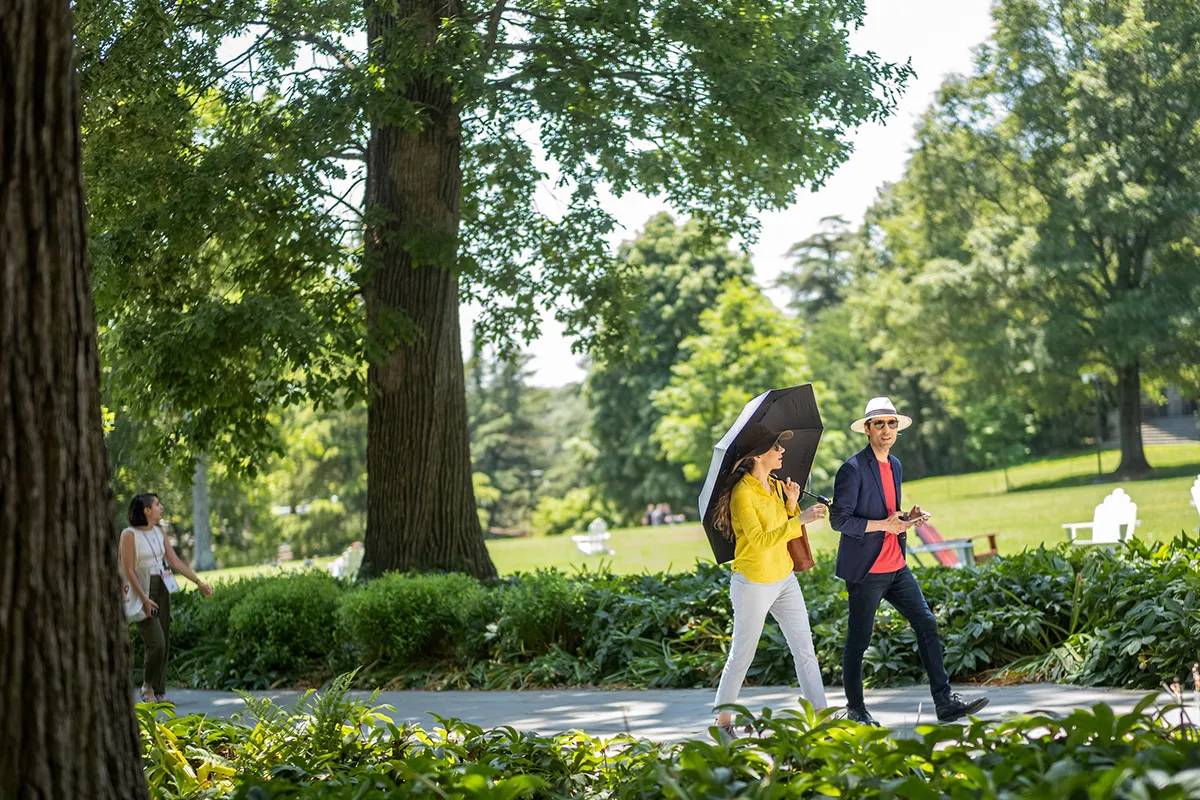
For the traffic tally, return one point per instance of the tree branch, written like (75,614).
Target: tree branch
(493,31)
(325,45)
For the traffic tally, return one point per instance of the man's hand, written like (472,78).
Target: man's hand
(894,524)
(791,490)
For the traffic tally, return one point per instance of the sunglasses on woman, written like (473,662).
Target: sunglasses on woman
(880,423)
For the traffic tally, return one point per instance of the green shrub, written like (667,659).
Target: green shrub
(539,610)
(1121,618)
(334,747)
(401,618)
(286,624)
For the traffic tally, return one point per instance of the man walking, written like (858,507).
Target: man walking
(871,560)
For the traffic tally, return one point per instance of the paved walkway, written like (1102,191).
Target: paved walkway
(672,715)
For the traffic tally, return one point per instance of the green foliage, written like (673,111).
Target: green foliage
(398,618)
(541,610)
(745,347)
(291,754)
(322,470)
(505,437)
(822,268)
(225,149)
(1085,617)
(574,511)
(1064,163)
(285,626)
(220,281)
(485,495)
(677,273)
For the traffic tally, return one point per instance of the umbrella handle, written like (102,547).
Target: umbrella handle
(822,499)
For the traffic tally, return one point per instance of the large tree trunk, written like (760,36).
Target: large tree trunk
(420,500)
(202,558)
(1129,406)
(67,727)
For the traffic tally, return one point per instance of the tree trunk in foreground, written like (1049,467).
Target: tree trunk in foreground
(420,500)
(67,726)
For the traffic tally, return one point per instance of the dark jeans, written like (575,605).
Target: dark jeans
(901,590)
(156,633)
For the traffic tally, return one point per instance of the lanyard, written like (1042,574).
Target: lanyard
(150,543)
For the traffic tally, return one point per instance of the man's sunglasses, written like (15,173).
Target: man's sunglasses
(879,424)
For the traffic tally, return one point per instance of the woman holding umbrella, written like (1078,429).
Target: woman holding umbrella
(760,515)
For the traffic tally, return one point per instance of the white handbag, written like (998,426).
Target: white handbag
(134,611)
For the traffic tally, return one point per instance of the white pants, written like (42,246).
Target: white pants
(785,601)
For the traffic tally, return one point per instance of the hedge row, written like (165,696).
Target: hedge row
(1128,618)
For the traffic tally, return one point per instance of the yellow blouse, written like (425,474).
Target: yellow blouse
(762,526)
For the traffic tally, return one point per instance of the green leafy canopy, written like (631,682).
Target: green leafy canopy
(223,144)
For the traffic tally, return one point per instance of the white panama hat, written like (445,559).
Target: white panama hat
(879,407)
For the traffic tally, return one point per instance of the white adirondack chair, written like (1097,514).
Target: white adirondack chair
(595,541)
(1196,496)
(347,564)
(1113,522)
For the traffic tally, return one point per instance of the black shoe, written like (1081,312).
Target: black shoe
(861,716)
(955,707)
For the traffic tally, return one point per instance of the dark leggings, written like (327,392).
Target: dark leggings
(156,633)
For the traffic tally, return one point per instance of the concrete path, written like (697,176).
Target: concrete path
(672,715)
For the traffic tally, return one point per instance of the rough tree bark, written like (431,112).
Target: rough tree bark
(420,500)
(1129,405)
(67,726)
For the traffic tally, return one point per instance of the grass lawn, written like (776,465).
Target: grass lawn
(236,573)
(1041,495)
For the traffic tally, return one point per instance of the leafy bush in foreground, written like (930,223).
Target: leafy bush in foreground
(335,747)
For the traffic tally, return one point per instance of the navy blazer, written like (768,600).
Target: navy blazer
(858,499)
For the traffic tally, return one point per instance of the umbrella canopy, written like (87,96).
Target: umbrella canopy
(793,409)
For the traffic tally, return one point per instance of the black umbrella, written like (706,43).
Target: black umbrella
(793,409)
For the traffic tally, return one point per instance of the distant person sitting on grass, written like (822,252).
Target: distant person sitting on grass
(148,561)
(648,516)
(656,516)
(871,560)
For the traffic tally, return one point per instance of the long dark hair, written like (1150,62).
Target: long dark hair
(138,506)
(722,519)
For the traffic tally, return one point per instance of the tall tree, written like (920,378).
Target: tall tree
(821,268)
(67,727)
(1092,110)
(720,109)
(505,437)
(221,274)
(745,347)
(679,273)
(202,554)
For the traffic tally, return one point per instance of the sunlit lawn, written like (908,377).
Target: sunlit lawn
(235,573)
(962,505)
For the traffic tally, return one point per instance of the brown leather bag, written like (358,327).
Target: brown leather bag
(801,553)
(798,549)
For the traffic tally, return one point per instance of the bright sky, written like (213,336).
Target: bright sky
(939,36)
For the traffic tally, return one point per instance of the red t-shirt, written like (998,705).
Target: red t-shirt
(890,557)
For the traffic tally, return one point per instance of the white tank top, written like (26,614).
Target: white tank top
(150,550)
